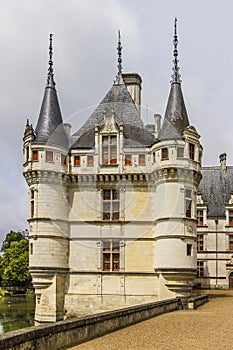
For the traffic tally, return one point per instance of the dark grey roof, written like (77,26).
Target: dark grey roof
(216,187)
(50,129)
(119,100)
(176,117)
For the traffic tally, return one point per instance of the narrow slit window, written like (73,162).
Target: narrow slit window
(188,203)
(191,151)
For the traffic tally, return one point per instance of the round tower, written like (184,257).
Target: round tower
(45,170)
(177,176)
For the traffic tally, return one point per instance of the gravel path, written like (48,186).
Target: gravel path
(209,327)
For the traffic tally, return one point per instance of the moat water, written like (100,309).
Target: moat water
(16,312)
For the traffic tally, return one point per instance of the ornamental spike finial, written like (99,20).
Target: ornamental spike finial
(50,70)
(119,49)
(175,75)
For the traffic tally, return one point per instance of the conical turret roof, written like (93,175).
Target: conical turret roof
(50,129)
(176,117)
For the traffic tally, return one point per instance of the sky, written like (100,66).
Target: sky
(85,64)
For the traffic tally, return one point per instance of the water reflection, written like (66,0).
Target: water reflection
(16,312)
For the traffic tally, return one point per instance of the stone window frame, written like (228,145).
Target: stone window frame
(188,203)
(200,242)
(109,149)
(110,204)
(200,268)
(35,155)
(77,161)
(49,156)
(111,255)
(164,153)
(142,159)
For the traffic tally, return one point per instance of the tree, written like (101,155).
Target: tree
(14,261)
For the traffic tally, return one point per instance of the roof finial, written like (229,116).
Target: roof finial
(119,49)
(175,75)
(50,70)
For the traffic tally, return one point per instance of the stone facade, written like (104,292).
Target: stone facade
(112,216)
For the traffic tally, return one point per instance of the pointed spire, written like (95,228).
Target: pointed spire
(176,117)
(50,129)
(119,49)
(50,77)
(175,75)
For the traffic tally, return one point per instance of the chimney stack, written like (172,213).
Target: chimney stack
(133,83)
(67,128)
(157,124)
(223,164)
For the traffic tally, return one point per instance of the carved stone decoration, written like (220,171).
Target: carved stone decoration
(109,123)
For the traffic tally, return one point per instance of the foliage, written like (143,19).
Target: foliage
(11,237)
(14,261)
(3,292)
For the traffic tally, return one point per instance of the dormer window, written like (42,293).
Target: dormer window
(109,149)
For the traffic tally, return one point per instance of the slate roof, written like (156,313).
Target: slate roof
(119,100)
(50,129)
(176,117)
(216,188)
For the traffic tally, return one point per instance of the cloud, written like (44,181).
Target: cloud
(85,62)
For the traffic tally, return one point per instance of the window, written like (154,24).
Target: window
(90,161)
(35,156)
(142,159)
(200,221)
(231,243)
(153,157)
(32,197)
(109,150)
(27,154)
(200,268)
(31,248)
(189,249)
(180,152)
(164,153)
(128,159)
(111,204)
(191,151)
(76,160)
(188,203)
(111,256)
(63,160)
(200,243)
(230,217)
(49,156)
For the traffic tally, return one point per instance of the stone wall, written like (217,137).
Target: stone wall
(65,334)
